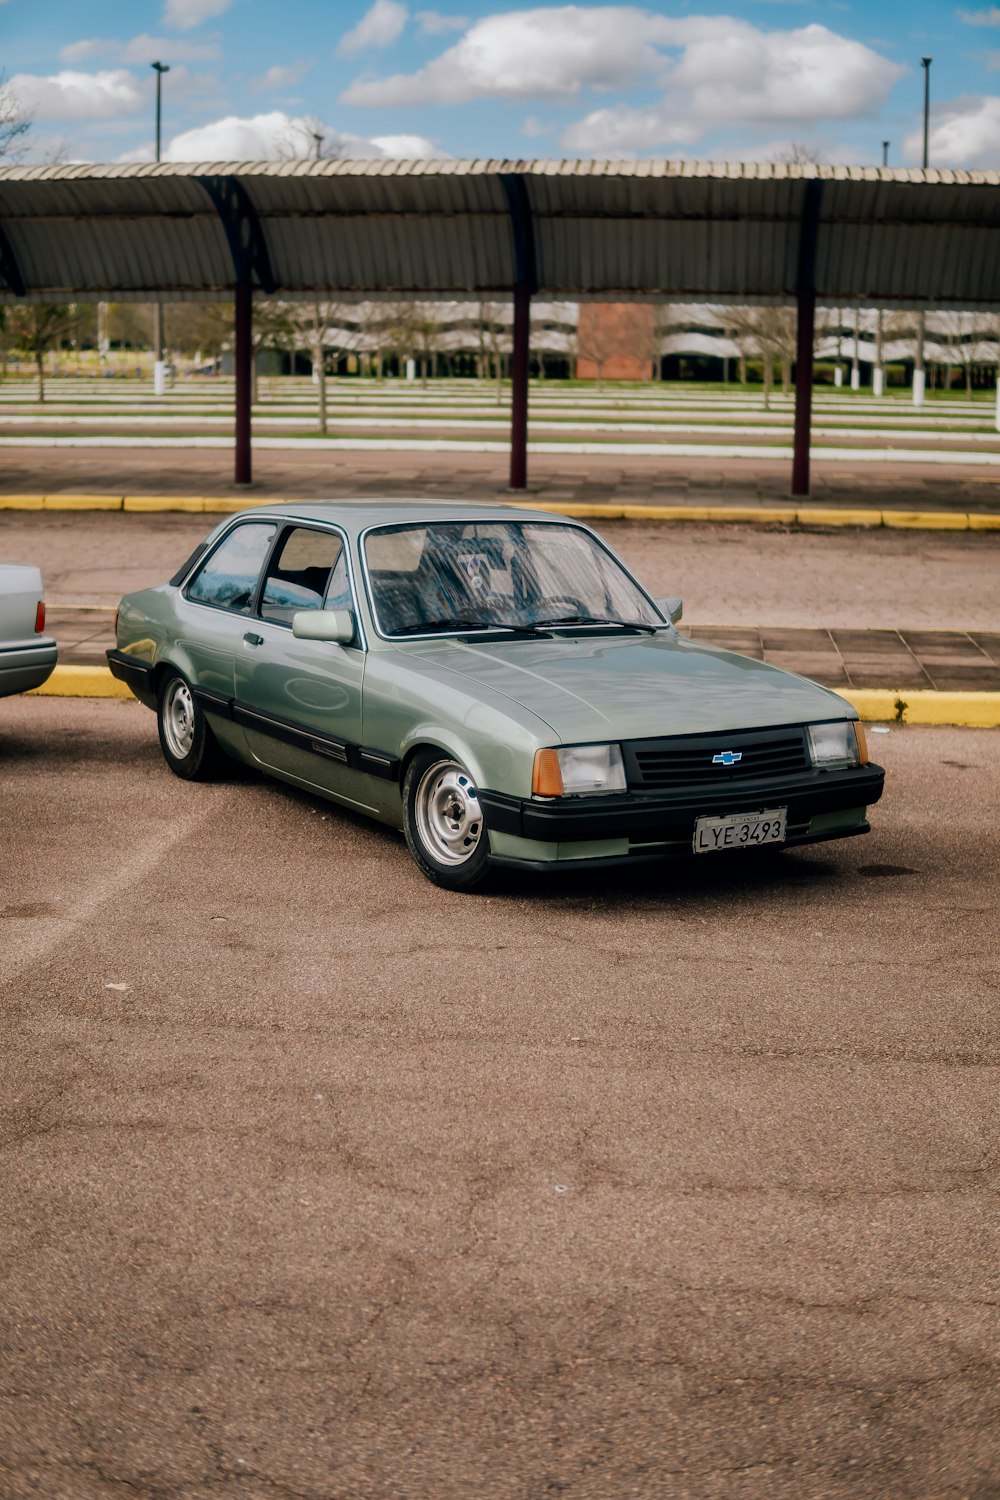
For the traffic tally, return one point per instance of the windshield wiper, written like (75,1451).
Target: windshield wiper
(602,620)
(530,632)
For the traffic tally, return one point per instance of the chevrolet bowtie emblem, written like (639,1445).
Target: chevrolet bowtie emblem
(727,757)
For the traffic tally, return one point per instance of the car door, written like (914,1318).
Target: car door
(216,608)
(299,701)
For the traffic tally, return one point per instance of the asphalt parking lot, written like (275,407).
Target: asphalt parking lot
(320,1182)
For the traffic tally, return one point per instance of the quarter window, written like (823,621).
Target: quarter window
(228,579)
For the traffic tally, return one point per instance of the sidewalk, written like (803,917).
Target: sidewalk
(596,479)
(891,660)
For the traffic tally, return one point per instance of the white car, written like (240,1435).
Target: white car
(27,654)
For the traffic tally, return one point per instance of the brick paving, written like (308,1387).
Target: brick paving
(945,660)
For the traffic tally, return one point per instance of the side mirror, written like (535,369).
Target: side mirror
(335,625)
(673,608)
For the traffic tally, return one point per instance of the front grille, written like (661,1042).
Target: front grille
(687,760)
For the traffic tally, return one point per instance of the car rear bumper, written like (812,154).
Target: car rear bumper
(642,819)
(137,675)
(26,665)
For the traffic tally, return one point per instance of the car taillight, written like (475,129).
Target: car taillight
(39,616)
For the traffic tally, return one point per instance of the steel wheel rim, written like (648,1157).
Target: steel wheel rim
(449,818)
(178,720)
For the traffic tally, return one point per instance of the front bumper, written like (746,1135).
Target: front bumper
(26,665)
(665,817)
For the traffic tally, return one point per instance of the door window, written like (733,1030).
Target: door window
(228,578)
(308,568)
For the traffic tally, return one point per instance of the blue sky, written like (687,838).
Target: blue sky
(252,78)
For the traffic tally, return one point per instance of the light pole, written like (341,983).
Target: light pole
(159,370)
(885,152)
(919,376)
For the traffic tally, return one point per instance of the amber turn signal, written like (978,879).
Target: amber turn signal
(546,778)
(859,732)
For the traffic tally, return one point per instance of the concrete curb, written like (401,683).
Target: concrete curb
(977,710)
(759,515)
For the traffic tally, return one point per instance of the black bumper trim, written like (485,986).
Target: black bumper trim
(669,855)
(647,817)
(136,675)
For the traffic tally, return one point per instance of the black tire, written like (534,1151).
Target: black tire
(189,747)
(444,826)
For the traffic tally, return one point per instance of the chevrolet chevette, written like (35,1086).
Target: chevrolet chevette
(489,679)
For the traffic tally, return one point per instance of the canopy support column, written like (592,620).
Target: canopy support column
(251,262)
(525,284)
(805,338)
(10,271)
(519,388)
(243,318)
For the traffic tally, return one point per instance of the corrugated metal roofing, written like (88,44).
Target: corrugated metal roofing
(711,231)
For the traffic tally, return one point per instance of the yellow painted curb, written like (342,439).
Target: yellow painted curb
(818,515)
(923,706)
(81,682)
(925,520)
(83,502)
(142,503)
(759,515)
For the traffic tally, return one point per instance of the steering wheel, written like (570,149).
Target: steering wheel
(575,604)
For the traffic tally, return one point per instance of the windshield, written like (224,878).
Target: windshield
(471,575)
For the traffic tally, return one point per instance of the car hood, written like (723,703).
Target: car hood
(636,687)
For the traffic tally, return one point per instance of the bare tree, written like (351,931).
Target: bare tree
(37,327)
(767,333)
(15,122)
(491,331)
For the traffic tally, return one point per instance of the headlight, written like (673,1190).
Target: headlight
(578,770)
(834,746)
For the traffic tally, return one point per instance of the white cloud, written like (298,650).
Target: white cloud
(378,27)
(622,131)
(280,77)
(140,49)
(271,137)
(989,17)
(77,96)
(182,15)
(433,23)
(715,69)
(529,54)
(407,147)
(964,133)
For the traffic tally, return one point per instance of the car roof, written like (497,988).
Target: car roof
(358,515)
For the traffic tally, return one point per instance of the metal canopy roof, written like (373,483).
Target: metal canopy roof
(684,230)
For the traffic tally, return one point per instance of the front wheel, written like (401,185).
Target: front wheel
(189,746)
(443,822)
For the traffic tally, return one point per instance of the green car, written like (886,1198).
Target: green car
(490,679)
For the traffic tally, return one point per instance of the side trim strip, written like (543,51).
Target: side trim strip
(215,703)
(357,757)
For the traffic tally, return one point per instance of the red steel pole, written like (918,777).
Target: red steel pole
(519,387)
(244,380)
(803,391)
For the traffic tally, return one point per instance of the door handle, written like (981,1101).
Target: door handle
(253,640)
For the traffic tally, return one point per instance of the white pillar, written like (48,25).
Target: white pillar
(838,375)
(160,377)
(878,381)
(919,386)
(411,369)
(998,402)
(855,378)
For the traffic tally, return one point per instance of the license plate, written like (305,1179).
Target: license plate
(740,830)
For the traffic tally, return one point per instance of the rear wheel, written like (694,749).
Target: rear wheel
(443,822)
(189,746)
